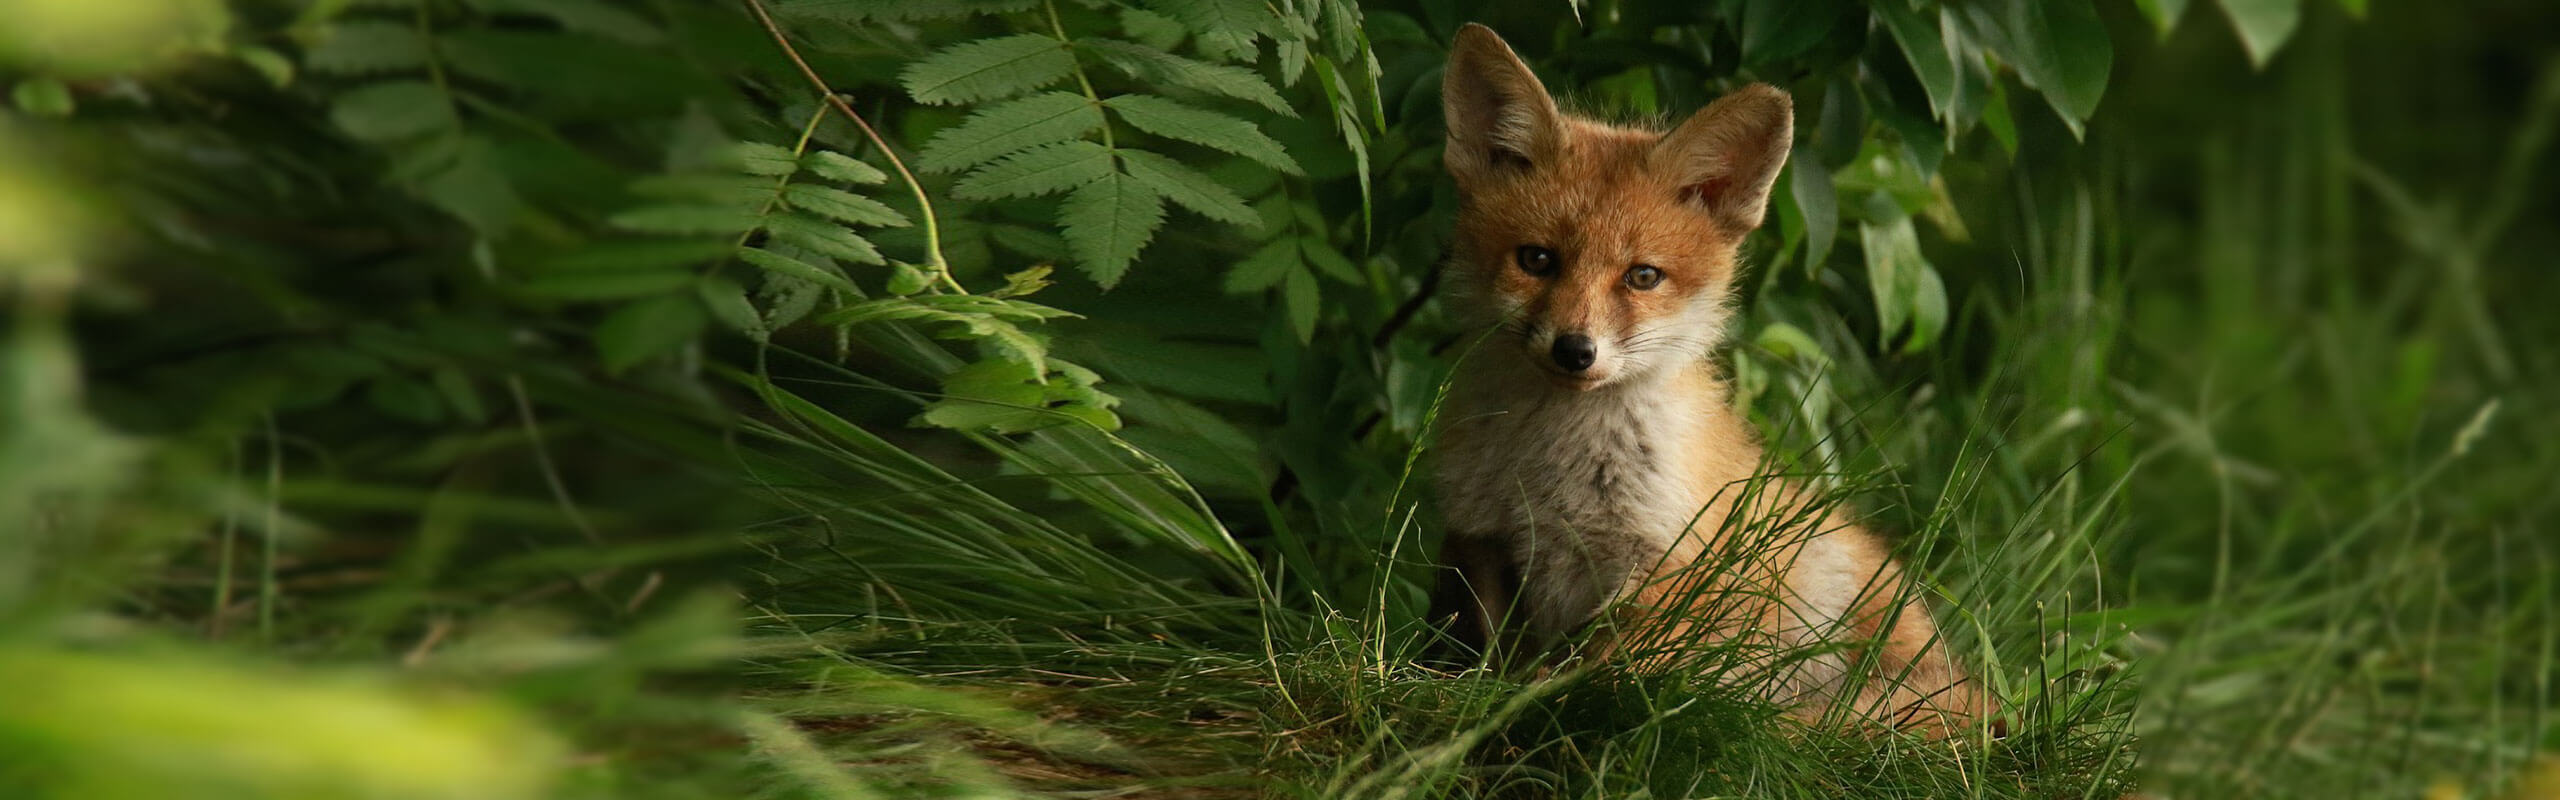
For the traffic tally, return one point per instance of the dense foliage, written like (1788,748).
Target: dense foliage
(854,398)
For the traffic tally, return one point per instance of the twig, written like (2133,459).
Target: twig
(932,231)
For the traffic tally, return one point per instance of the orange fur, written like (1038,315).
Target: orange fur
(1571,487)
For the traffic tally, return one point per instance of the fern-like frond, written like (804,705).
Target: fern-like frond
(1227,29)
(1174,120)
(1107,222)
(987,69)
(823,237)
(781,264)
(1010,126)
(1156,67)
(836,166)
(1046,169)
(843,206)
(688,219)
(1188,188)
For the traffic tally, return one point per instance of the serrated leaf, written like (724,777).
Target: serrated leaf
(1265,268)
(1227,29)
(1046,169)
(823,237)
(1151,66)
(1321,255)
(1010,126)
(727,302)
(362,47)
(758,158)
(843,206)
(392,111)
(687,219)
(1299,296)
(836,166)
(1152,29)
(780,264)
(1174,120)
(906,279)
(1189,188)
(987,69)
(635,332)
(1107,222)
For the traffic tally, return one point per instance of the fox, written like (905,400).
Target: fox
(1590,449)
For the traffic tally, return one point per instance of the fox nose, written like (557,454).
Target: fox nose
(1574,352)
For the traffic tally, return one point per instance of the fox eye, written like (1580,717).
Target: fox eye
(1642,277)
(1535,260)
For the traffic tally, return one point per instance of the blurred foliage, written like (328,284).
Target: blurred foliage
(428,398)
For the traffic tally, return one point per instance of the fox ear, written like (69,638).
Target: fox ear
(1726,157)
(1499,116)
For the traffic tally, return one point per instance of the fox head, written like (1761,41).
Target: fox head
(1605,253)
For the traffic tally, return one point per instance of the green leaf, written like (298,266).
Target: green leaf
(364,47)
(2264,25)
(270,64)
(2163,14)
(43,97)
(386,112)
(1908,292)
(1152,29)
(906,279)
(687,219)
(2059,48)
(1774,30)
(1008,127)
(758,158)
(1047,169)
(1923,45)
(1154,67)
(1107,221)
(1298,293)
(1227,29)
(404,398)
(474,188)
(843,206)
(836,166)
(1189,188)
(1265,268)
(823,237)
(1818,203)
(1331,262)
(780,264)
(728,303)
(635,332)
(987,69)
(1174,120)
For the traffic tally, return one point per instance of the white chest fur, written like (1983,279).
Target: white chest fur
(1588,489)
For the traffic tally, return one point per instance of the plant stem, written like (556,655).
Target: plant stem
(932,230)
(1061,32)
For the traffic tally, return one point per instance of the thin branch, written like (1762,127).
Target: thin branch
(932,230)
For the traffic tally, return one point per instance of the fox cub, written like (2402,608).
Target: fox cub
(1591,456)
